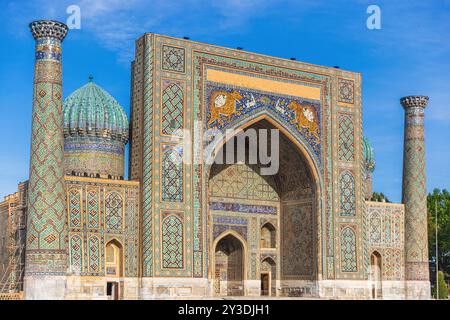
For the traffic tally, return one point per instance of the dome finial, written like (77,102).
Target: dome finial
(91,78)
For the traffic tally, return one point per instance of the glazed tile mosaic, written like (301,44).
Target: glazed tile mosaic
(192,229)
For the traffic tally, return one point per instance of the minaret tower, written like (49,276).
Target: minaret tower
(414,197)
(46,256)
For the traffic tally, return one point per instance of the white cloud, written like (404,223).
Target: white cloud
(117,23)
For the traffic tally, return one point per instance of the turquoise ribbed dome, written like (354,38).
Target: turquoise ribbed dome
(92,111)
(368,155)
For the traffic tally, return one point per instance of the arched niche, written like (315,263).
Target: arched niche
(229,264)
(114,259)
(294,190)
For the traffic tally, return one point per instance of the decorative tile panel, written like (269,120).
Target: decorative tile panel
(114,211)
(94,254)
(172,173)
(93,209)
(244,208)
(385,224)
(348,250)
(297,241)
(76,254)
(346,138)
(218,229)
(172,242)
(346,90)
(75,212)
(172,108)
(173,58)
(347,194)
(146,54)
(117,202)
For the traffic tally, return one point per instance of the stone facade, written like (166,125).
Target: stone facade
(267,92)
(386,239)
(199,228)
(101,212)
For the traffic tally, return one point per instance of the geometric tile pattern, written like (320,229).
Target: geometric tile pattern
(145,56)
(385,225)
(172,109)
(76,254)
(393,268)
(414,189)
(375,228)
(93,155)
(94,252)
(298,240)
(172,174)
(172,242)
(46,235)
(346,138)
(172,58)
(75,209)
(114,211)
(346,91)
(240,181)
(93,214)
(218,229)
(131,233)
(111,212)
(348,250)
(347,194)
(136,110)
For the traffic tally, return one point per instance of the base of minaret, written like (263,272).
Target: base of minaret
(44,287)
(418,290)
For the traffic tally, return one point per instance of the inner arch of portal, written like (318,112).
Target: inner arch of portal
(241,200)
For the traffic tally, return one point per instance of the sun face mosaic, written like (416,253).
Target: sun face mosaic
(227,105)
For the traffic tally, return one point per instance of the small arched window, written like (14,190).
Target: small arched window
(268,236)
(113,258)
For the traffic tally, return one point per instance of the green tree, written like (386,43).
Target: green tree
(439,201)
(442,287)
(379,197)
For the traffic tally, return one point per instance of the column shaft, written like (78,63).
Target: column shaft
(414,192)
(46,252)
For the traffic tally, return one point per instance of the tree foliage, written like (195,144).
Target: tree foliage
(439,202)
(442,287)
(379,197)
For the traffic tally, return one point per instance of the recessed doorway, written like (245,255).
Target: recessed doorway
(112,290)
(265,284)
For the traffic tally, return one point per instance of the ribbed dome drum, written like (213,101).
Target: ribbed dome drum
(95,133)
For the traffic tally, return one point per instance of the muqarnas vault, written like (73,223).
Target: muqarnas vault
(77,230)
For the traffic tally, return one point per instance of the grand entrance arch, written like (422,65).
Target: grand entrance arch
(276,216)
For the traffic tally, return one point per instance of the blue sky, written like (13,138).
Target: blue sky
(409,55)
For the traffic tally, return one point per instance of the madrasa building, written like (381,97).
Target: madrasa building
(77,229)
